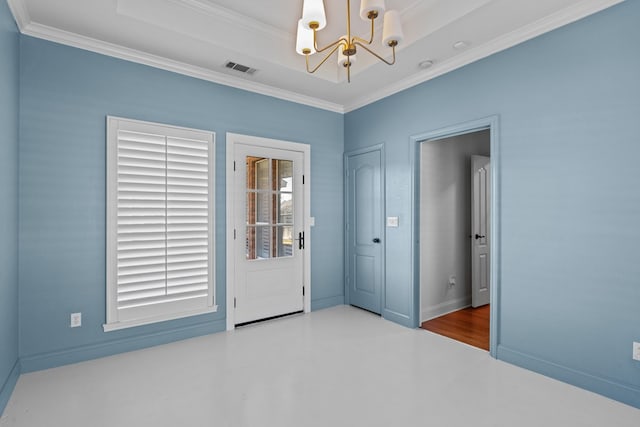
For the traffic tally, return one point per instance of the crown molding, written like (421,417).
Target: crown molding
(566,16)
(110,49)
(20,13)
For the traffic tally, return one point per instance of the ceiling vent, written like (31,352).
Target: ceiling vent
(240,68)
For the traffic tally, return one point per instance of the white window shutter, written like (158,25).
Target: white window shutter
(187,218)
(160,223)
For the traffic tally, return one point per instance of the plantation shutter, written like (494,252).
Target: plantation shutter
(160,227)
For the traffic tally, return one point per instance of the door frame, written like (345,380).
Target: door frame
(492,124)
(383,230)
(232,140)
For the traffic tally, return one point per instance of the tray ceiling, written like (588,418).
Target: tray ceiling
(198,37)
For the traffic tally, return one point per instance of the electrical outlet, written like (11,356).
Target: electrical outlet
(636,351)
(76,320)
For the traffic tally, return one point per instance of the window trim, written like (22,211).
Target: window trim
(112,322)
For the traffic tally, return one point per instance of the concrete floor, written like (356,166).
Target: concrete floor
(335,367)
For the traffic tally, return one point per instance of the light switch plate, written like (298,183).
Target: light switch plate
(76,320)
(636,351)
(392,221)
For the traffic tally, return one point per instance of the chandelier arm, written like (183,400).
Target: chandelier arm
(329,46)
(361,40)
(378,56)
(322,62)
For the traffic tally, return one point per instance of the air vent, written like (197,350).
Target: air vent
(239,67)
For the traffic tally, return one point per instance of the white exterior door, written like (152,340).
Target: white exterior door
(480,230)
(268,232)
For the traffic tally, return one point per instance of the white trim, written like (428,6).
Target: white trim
(445,308)
(566,16)
(108,327)
(111,218)
(549,23)
(20,13)
(230,289)
(232,140)
(116,51)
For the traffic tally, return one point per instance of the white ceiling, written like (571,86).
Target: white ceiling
(197,37)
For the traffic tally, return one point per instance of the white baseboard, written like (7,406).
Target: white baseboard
(443,308)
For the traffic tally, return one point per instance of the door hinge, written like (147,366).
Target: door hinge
(234,165)
(303,291)
(302,179)
(234,234)
(234,302)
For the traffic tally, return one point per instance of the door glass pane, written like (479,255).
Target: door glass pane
(259,242)
(262,174)
(269,208)
(251,243)
(253,164)
(251,208)
(262,208)
(285,189)
(285,241)
(285,212)
(285,175)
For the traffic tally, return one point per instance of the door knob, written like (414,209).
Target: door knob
(376,240)
(479,236)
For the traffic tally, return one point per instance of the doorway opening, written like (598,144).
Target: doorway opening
(455,235)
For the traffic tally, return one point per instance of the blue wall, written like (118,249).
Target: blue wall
(569,107)
(9,62)
(66,94)
(568,103)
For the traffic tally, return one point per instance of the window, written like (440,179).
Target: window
(160,223)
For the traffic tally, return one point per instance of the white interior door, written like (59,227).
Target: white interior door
(480,230)
(269,232)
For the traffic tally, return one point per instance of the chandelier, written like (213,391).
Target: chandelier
(314,19)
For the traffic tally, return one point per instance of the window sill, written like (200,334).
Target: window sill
(108,327)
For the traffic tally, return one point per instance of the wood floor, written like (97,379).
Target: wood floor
(469,325)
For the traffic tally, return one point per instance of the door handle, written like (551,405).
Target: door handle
(376,240)
(479,236)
